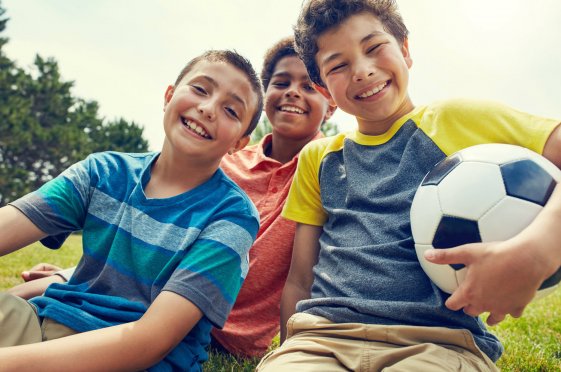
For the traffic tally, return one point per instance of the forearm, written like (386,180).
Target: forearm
(548,222)
(35,287)
(291,294)
(126,347)
(544,235)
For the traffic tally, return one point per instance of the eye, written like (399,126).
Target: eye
(280,84)
(372,48)
(309,88)
(199,90)
(337,68)
(231,112)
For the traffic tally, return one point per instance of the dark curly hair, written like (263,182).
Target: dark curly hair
(236,60)
(319,16)
(282,48)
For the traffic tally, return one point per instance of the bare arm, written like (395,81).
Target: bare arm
(38,278)
(503,277)
(127,347)
(39,271)
(16,230)
(300,276)
(35,287)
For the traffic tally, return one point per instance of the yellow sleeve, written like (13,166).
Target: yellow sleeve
(303,204)
(456,124)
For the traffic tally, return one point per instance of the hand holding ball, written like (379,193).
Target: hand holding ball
(483,193)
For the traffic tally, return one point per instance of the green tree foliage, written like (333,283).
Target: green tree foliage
(44,128)
(329,129)
(264,127)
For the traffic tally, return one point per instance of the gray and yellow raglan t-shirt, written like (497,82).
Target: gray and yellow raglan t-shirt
(360,189)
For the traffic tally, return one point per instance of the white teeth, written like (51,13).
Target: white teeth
(291,109)
(195,128)
(374,90)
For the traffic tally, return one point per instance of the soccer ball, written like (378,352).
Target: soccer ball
(483,193)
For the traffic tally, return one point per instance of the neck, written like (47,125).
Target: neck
(284,149)
(376,128)
(173,174)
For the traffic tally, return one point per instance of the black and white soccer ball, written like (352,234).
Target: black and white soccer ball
(483,193)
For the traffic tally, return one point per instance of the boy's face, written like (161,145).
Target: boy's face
(294,108)
(366,72)
(209,110)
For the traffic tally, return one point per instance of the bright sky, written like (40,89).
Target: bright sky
(123,54)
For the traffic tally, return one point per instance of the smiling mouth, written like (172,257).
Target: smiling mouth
(373,91)
(195,128)
(291,109)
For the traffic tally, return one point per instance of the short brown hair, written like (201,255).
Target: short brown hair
(282,48)
(236,60)
(319,16)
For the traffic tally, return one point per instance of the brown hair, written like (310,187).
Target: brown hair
(282,48)
(319,16)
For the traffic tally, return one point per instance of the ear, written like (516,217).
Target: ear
(406,54)
(330,110)
(167,96)
(242,142)
(324,92)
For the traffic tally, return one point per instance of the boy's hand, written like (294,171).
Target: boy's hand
(39,271)
(501,278)
(35,287)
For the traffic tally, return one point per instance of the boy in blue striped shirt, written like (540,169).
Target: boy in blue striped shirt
(166,237)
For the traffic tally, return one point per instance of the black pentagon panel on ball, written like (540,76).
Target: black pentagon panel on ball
(441,170)
(551,281)
(454,231)
(527,180)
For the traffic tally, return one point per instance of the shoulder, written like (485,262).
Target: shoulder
(234,199)
(121,157)
(323,146)
(467,109)
(459,123)
(118,162)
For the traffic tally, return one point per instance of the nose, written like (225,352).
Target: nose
(207,109)
(363,69)
(293,91)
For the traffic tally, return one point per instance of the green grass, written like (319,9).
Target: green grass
(532,342)
(13,264)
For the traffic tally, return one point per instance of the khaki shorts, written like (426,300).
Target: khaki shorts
(316,344)
(20,325)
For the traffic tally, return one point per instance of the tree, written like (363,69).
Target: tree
(264,127)
(329,128)
(118,135)
(44,128)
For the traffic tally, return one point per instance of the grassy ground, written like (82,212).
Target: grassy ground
(532,343)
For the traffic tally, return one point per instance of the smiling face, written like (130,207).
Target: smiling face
(294,108)
(366,72)
(208,111)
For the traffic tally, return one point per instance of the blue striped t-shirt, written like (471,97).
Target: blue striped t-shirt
(194,244)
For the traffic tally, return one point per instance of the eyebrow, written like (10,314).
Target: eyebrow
(234,96)
(365,39)
(288,75)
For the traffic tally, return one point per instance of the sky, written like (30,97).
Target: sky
(123,54)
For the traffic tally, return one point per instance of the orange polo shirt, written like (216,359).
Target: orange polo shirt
(254,320)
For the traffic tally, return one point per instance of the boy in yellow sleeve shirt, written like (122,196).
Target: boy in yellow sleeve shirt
(356,297)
